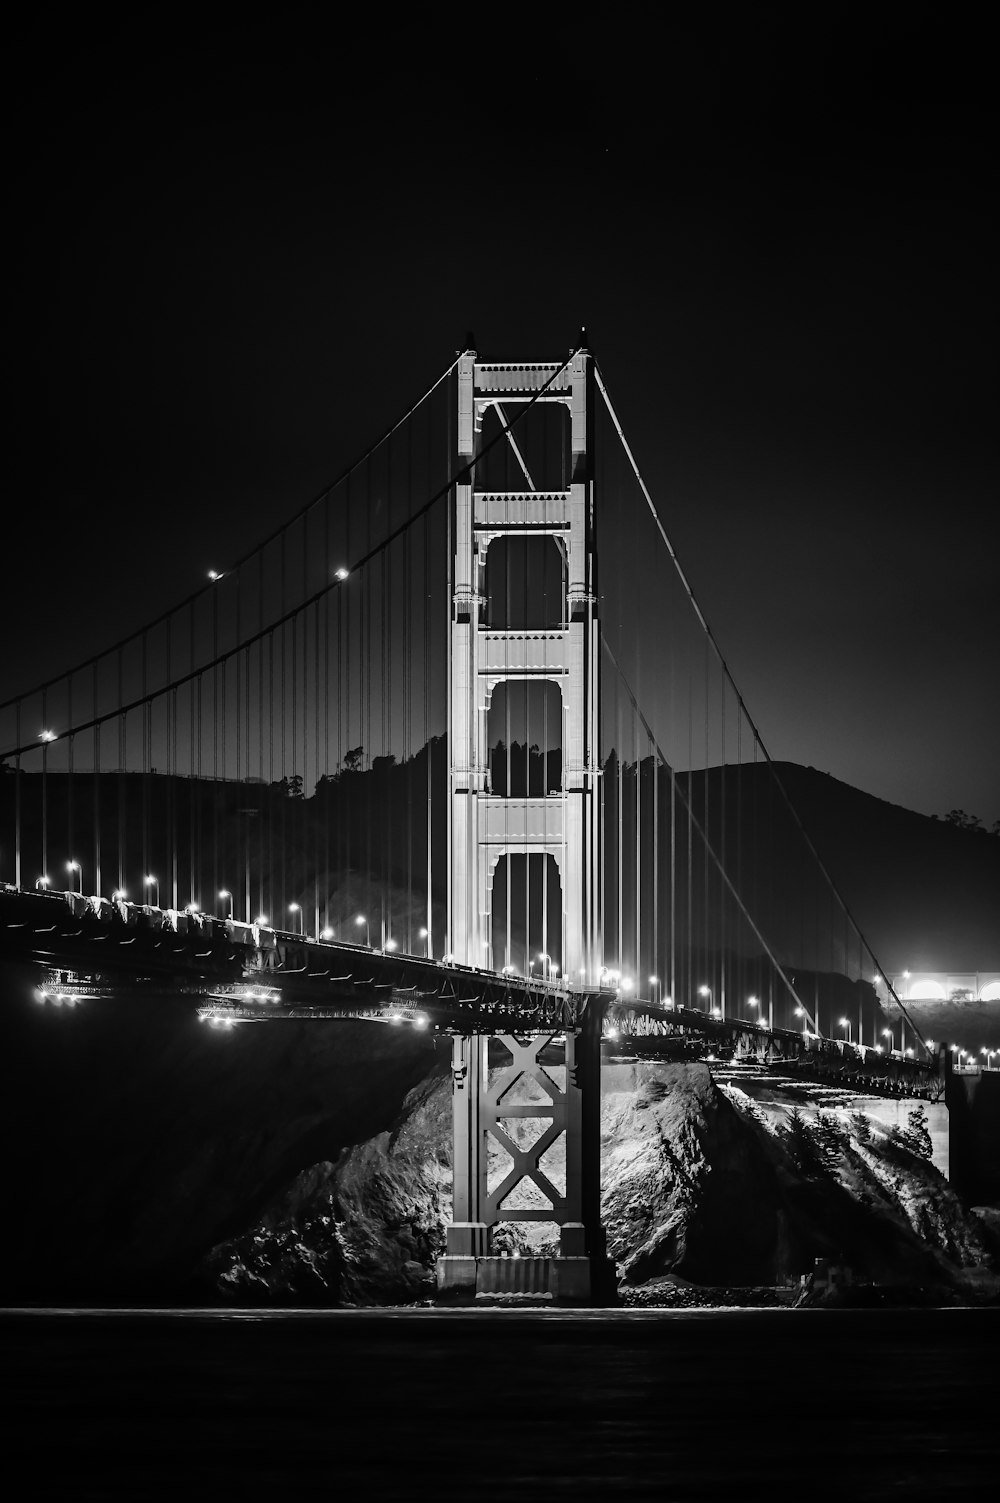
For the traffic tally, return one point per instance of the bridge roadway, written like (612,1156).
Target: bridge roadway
(87,947)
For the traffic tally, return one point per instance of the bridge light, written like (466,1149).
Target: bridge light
(627,983)
(47,736)
(119,895)
(391,944)
(612,1033)
(40,996)
(262,918)
(42,882)
(654,980)
(214,574)
(716,1012)
(342,573)
(152,881)
(326,933)
(190,907)
(74,866)
(420,1020)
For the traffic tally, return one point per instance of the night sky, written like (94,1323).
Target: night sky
(240,257)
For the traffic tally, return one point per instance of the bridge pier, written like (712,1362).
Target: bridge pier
(485,1109)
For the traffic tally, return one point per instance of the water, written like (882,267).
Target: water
(508,1404)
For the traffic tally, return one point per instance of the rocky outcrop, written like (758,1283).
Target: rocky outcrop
(702,1186)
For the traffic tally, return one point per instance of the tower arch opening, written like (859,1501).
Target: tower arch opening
(538,441)
(524,735)
(526,929)
(525,584)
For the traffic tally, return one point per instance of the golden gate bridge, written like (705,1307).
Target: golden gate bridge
(454,748)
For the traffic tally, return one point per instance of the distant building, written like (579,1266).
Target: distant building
(943,986)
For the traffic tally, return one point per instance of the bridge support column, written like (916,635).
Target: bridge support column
(544,1118)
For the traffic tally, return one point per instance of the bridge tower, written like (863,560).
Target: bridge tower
(487,825)
(566,824)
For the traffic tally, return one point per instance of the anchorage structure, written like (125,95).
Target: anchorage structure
(486,826)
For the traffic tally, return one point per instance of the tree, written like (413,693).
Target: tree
(801,1146)
(918,1133)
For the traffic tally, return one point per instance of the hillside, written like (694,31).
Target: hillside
(925,893)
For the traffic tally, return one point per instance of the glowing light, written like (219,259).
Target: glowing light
(214,574)
(42,882)
(119,895)
(420,1020)
(262,918)
(46,735)
(391,944)
(326,933)
(342,573)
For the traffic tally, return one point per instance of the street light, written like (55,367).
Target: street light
(545,959)
(74,866)
(151,881)
(326,933)
(425,934)
(294,908)
(262,919)
(754,1002)
(368,937)
(390,945)
(989,1055)
(41,883)
(887,1034)
(800,1012)
(224,893)
(846,1023)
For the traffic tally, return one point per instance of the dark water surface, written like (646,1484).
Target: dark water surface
(501,1404)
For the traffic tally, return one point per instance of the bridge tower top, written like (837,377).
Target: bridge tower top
(557,819)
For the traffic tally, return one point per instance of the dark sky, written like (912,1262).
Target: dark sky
(240,257)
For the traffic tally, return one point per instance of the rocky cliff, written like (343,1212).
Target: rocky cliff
(699,1182)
